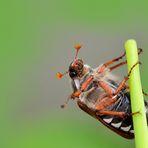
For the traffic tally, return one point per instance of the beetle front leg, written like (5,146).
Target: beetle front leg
(86,83)
(73,96)
(84,86)
(77,93)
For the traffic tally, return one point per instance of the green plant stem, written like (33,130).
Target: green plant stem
(137,100)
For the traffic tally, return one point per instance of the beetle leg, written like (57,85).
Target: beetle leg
(104,102)
(111,113)
(115,113)
(85,84)
(144,93)
(103,67)
(120,57)
(106,88)
(75,94)
(114,60)
(124,62)
(118,65)
(111,96)
(108,100)
(123,83)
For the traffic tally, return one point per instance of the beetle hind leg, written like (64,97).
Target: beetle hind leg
(111,113)
(146,94)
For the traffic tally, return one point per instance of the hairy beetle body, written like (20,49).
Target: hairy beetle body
(100,94)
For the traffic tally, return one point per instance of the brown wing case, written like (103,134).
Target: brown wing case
(93,114)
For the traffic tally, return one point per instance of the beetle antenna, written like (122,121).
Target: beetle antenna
(59,75)
(77,47)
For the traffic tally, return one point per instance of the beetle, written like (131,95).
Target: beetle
(99,93)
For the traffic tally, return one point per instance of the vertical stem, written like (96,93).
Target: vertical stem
(137,100)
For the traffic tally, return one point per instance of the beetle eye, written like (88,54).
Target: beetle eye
(73,73)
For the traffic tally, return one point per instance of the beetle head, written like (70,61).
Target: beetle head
(76,68)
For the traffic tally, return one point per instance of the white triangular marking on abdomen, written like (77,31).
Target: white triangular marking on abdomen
(117,125)
(131,131)
(126,129)
(108,120)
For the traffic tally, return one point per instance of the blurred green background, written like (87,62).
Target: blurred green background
(37,39)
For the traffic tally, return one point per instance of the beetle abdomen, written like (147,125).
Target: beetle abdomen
(122,124)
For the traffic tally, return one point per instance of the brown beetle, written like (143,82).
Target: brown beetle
(99,93)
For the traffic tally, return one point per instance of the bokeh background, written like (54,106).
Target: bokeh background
(37,39)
